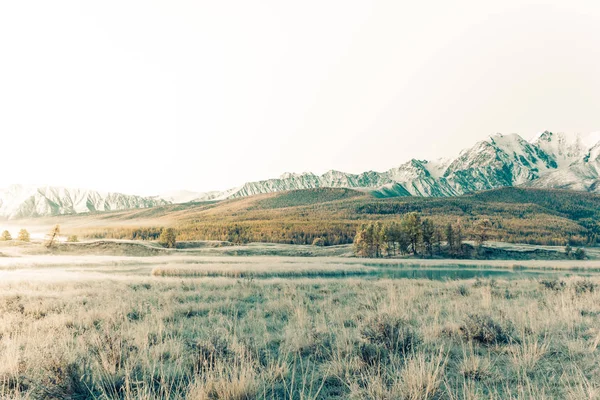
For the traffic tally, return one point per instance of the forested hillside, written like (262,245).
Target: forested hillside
(522,215)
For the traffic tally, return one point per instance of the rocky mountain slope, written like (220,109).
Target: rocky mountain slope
(19,201)
(583,174)
(550,160)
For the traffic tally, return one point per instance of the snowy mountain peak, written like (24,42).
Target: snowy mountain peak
(288,175)
(334,174)
(568,139)
(437,167)
(563,148)
(291,175)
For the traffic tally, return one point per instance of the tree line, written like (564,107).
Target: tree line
(51,238)
(418,236)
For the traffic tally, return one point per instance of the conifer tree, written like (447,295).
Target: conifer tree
(370,239)
(52,236)
(428,232)
(458,241)
(360,243)
(437,240)
(568,250)
(24,236)
(168,238)
(391,235)
(450,238)
(482,232)
(412,227)
(382,240)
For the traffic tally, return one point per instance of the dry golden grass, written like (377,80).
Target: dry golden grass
(259,271)
(222,338)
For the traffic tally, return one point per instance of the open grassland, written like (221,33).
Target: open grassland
(220,338)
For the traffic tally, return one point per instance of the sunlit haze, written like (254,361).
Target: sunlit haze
(152,96)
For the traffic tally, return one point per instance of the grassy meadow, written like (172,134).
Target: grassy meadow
(156,337)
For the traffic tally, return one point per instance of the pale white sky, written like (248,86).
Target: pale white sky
(150,96)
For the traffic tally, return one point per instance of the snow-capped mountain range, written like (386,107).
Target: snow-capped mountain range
(19,201)
(550,160)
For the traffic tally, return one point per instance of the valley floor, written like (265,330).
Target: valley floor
(199,324)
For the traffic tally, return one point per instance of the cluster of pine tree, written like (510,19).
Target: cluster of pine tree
(129,233)
(23,236)
(278,231)
(415,235)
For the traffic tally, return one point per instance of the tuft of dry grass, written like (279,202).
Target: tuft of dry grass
(473,366)
(422,377)
(529,352)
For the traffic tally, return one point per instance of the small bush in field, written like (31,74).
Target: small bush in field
(492,283)
(486,330)
(580,254)
(584,286)
(319,242)
(463,290)
(553,284)
(372,354)
(393,333)
(73,239)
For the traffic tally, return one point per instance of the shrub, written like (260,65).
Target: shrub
(372,354)
(485,330)
(580,254)
(584,286)
(393,333)
(553,284)
(72,239)
(463,290)
(319,241)
(6,235)
(168,238)
(492,283)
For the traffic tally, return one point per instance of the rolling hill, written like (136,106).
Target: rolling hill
(524,215)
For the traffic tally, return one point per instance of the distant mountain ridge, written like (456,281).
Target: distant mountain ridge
(18,201)
(550,160)
(568,161)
